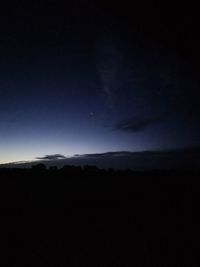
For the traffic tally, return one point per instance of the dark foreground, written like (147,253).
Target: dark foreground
(77,217)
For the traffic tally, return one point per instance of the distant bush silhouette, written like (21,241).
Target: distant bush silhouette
(91,168)
(39,167)
(53,168)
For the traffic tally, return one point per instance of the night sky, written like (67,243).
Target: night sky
(83,77)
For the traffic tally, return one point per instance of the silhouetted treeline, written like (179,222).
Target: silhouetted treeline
(90,169)
(85,216)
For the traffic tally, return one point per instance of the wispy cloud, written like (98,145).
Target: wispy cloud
(109,61)
(136,124)
(52,157)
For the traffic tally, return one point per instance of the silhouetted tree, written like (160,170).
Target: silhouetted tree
(90,168)
(53,168)
(39,167)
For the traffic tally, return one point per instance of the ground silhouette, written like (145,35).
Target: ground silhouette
(85,216)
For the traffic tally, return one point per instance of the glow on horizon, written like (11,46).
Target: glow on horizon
(30,154)
(27,149)
(27,154)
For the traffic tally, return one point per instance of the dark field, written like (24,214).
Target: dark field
(76,217)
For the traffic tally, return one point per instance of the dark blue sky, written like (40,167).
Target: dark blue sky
(87,78)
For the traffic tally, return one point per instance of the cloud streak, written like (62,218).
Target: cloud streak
(52,157)
(136,124)
(106,154)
